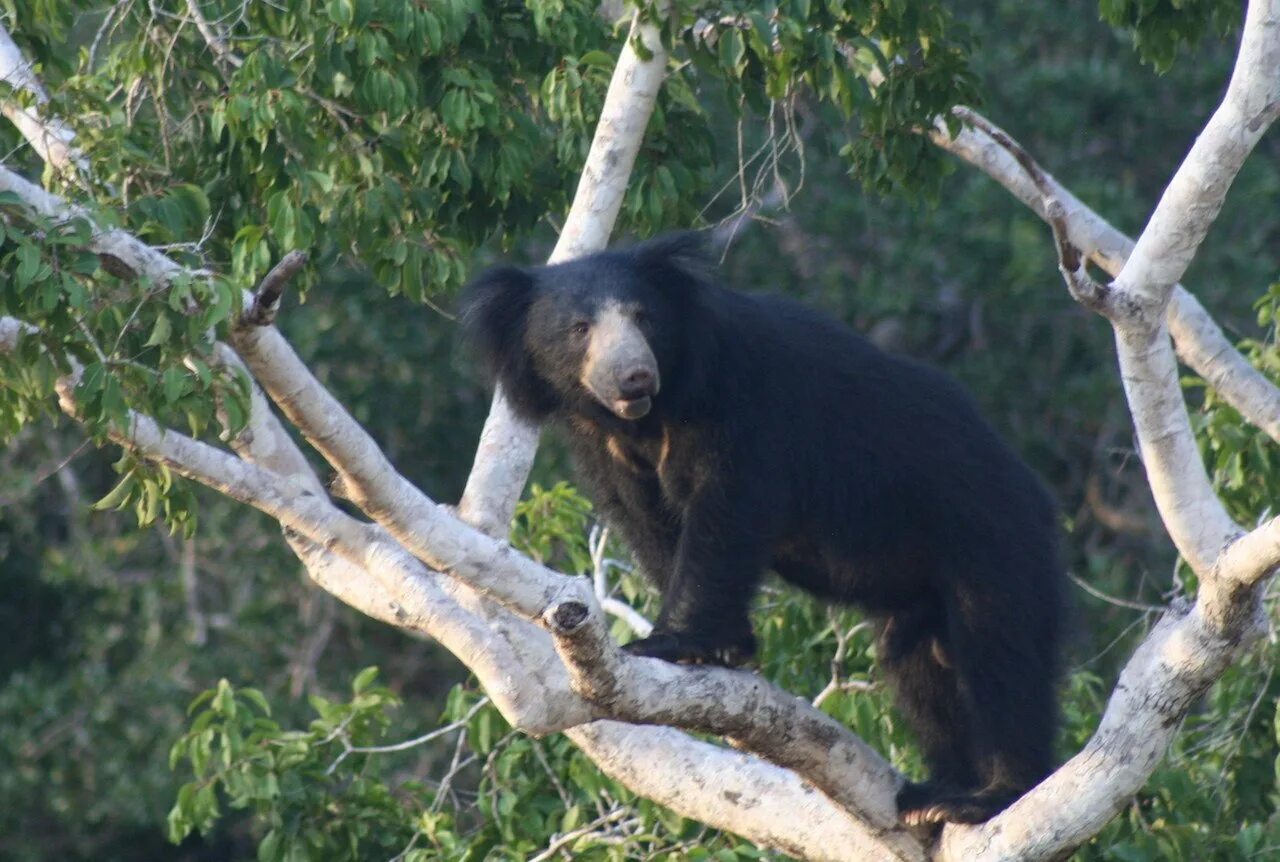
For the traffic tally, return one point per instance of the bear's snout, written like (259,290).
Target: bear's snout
(637,383)
(620,370)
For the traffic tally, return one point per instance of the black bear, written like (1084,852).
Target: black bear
(725,434)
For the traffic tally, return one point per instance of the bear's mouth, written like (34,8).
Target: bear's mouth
(632,408)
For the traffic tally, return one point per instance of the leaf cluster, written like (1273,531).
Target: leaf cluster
(889,68)
(1162,28)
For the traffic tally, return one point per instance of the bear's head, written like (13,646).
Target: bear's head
(604,331)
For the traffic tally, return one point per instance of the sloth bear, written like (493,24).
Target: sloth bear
(724,434)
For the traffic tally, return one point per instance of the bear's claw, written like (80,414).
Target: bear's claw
(684,649)
(925,804)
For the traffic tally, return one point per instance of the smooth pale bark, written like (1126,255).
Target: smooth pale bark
(1191,511)
(727,789)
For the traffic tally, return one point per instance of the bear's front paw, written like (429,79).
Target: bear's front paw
(684,648)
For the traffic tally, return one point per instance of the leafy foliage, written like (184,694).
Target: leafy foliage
(315,803)
(1162,28)
(888,69)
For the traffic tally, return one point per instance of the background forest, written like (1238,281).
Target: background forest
(112,631)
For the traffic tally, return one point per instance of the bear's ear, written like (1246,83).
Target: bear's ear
(682,256)
(494,309)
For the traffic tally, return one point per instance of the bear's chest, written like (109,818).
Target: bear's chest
(644,455)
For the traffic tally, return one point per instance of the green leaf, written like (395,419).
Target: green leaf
(28,265)
(342,12)
(364,679)
(257,698)
(161,332)
(117,496)
(283,220)
(175,383)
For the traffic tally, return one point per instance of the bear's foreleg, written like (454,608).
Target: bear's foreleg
(719,561)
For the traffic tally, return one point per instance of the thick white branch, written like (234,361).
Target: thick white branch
(1195,518)
(1194,197)
(264,440)
(339,550)
(745,707)
(370,481)
(1191,511)
(516,670)
(730,790)
(122,249)
(1251,558)
(508,443)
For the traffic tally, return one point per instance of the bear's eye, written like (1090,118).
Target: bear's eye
(579,327)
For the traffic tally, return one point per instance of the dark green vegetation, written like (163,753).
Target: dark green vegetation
(400,138)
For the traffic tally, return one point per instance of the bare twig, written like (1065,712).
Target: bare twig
(349,749)
(215,42)
(562,842)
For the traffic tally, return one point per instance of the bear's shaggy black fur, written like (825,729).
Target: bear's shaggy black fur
(724,434)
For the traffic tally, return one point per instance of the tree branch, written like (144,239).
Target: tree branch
(742,706)
(1190,648)
(727,789)
(1200,341)
(401,590)
(1191,511)
(215,42)
(120,251)
(1188,505)
(52,140)
(1194,197)
(266,299)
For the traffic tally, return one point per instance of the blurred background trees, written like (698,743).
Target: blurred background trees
(406,145)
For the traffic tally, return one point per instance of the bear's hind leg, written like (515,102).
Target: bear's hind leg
(1009,690)
(1005,685)
(927,695)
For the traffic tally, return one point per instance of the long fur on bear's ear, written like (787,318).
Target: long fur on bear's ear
(682,254)
(494,312)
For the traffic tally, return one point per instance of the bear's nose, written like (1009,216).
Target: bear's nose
(637,382)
